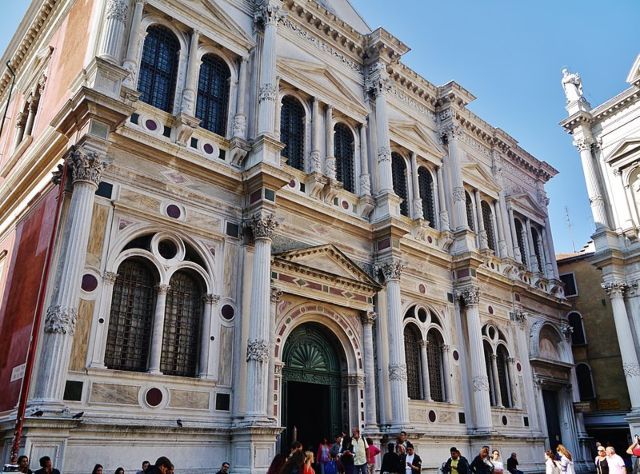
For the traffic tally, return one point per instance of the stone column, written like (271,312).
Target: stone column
(365,179)
(479,379)
(33,109)
(368,319)
(316,162)
(209,342)
(330,160)
(513,380)
(379,86)
(483,241)
(130,62)
(21,120)
(546,269)
(263,225)
(240,119)
(446,374)
(417,201)
(424,361)
(502,243)
(108,280)
(397,362)
(275,297)
(594,188)
(442,203)
(157,333)
(497,395)
(451,134)
(115,18)
(531,245)
(514,236)
(86,166)
(190,91)
(550,249)
(268,14)
(616,290)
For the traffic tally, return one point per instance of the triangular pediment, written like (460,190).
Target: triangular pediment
(328,259)
(527,203)
(319,80)
(629,148)
(414,136)
(479,176)
(347,13)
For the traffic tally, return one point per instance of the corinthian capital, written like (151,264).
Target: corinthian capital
(368,318)
(378,79)
(276,294)
(60,320)
(583,144)
(615,288)
(470,295)
(450,131)
(117,9)
(391,270)
(86,165)
(263,226)
(268,12)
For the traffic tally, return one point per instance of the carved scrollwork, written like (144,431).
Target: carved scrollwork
(480,383)
(109,277)
(211,299)
(397,372)
(257,350)
(86,165)
(60,320)
(378,82)
(458,193)
(162,289)
(263,226)
(268,12)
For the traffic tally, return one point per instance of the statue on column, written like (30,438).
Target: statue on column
(572,85)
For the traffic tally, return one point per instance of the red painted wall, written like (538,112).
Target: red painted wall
(24,277)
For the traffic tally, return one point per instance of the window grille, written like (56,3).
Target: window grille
(158,68)
(343,151)
(399,175)
(213,94)
(412,356)
(425,184)
(469,204)
(520,238)
(487,220)
(577,337)
(535,236)
(487,360)
(132,307)
(503,376)
(292,118)
(585,382)
(434,358)
(182,318)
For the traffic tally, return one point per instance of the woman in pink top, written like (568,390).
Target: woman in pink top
(372,452)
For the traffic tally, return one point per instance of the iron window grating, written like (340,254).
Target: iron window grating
(213,94)
(159,67)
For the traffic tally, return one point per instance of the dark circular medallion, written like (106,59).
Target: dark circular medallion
(154,397)
(208,148)
(227,312)
(151,125)
(173,211)
(432,416)
(89,282)
(167,249)
(504,420)
(456,355)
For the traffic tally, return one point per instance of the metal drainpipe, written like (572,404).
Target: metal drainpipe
(13,82)
(35,333)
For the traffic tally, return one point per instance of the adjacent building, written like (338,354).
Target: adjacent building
(263,226)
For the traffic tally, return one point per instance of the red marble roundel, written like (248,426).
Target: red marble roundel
(173,211)
(89,282)
(154,397)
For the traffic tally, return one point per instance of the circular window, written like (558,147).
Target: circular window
(173,211)
(456,355)
(432,416)
(154,397)
(167,249)
(89,282)
(227,312)
(422,315)
(504,420)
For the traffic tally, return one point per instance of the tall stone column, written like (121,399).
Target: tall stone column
(424,361)
(442,203)
(447,374)
(193,70)
(368,319)
(417,201)
(365,179)
(551,249)
(263,225)
(86,166)
(99,347)
(330,160)
(483,241)
(513,383)
(479,379)
(316,162)
(275,297)
(115,18)
(501,249)
(497,395)
(379,87)
(130,62)
(452,134)
(514,236)
(209,342)
(268,14)
(157,333)
(33,109)
(531,248)
(397,362)
(594,188)
(240,119)
(630,366)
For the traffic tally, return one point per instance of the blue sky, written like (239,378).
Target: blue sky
(509,54)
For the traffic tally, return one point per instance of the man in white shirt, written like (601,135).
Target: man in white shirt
(615,462)
(412,462)
(359,452)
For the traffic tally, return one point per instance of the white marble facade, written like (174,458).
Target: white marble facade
(411,240)
(607,139)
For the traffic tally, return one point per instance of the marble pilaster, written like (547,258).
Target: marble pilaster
(369,371)
(155,356)
(115,18)
(130,62)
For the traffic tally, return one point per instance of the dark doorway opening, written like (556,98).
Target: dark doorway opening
(552,415)
(309,414)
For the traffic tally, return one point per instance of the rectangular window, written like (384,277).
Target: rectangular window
(570,286)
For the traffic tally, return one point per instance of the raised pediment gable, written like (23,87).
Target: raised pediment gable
(414,136)
(345,11)
(479,176)
(527,203)
(628,150)
(319,80)
(328,260)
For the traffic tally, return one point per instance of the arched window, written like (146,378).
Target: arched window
(425,185)
(412,355)
(292,131)
(520,238)
(159,67)
(434,357)
(343,151)
(585,382)
(503,376)
(399,175)
(469,204)
(213,94)
(488,352)
(182,318)
(577,337)
(536,247)
(132,307)
(487,220)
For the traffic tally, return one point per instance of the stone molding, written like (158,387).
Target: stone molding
(258,350)
(60,320)
(86,165)
(397,372)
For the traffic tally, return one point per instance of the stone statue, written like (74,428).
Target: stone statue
(572,85)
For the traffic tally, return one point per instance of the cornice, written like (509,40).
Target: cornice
(626,98)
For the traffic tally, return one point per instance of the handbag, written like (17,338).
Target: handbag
(330,468)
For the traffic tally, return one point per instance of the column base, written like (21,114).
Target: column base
(253,448)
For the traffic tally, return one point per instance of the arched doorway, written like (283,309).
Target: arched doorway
(312,386)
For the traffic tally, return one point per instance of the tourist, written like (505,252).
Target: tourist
(337,446)
(456,464)
(634,450)
(346,455)
(390,461)
(120,470)
(276,463)
(324,454)
(402,440)
(498,466)
(550,463)
(46,466)
(372,452)
(481,464)
(359,450)
(97,469)
(23,465)
(294,464)
(224,469)
(566,461)
(162,466)
(145,466)
(308,463)
(512,464)
(411,461)
(602,466)
(615,462)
